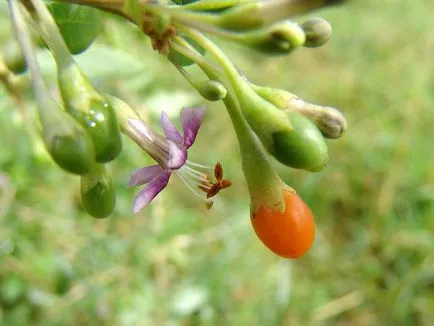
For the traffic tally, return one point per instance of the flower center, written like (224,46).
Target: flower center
(197,176)
(168,154)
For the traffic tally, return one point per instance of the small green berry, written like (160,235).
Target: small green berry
(98,194)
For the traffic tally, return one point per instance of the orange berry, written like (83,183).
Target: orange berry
(288,234)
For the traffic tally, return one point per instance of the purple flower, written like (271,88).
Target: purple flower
(170,152)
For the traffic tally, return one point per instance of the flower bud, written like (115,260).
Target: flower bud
(278,38)
(92,111)
(14,58)
(211,90)
(330,121)
(303,147)
(318,31)
(98,194)
(290,137)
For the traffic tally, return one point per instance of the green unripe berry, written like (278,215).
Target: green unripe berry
(66,140)
(92,111)
(14,58)
(72,149)
(98,194)
(211,90)
(262,116)
(102,125)
(303,147)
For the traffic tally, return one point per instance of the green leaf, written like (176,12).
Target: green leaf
(79,25)
(100,62)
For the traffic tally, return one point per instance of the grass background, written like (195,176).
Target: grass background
(177,263)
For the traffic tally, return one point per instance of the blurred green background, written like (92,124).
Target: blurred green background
(177,263)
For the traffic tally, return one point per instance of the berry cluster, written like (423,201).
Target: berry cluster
(82,133)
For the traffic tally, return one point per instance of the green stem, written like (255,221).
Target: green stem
(26,45)
(237,82)
(262,116)
(211,4)
(206,22)
(182,46)
(52,36)
(45,102)
(186,75)
(282,9)
(264,184)
(177,13)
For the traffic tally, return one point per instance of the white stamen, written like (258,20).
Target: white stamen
(196,174)
(197,165)
(194,191)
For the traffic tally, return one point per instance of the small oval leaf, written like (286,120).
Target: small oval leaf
(79,25)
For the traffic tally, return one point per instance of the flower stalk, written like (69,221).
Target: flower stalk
(85,104)
(67,142)
(265,188)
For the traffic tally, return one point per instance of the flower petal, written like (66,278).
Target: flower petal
(169,129)
(177,156)
(152,189)
(144,175)
(191,119)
